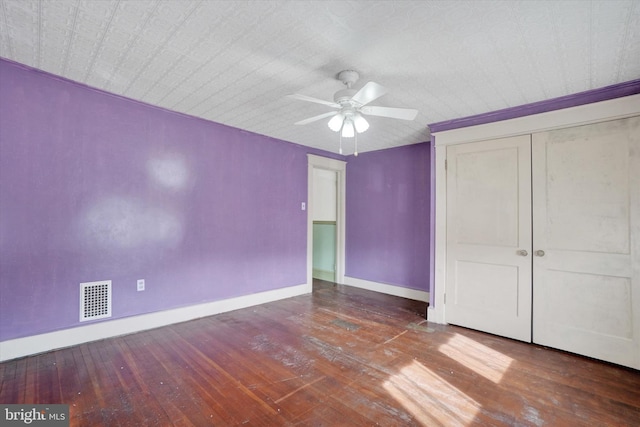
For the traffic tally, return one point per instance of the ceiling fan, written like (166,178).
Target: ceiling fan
(351,104)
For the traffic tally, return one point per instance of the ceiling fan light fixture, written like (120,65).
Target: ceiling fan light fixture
(335,124)
(348,130)
(351,104)
(360,123)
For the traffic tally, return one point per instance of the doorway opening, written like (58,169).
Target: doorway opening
(325,219)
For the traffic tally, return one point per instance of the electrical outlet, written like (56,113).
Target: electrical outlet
(140,285)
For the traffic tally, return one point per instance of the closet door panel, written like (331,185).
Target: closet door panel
(586,220)
(488,283)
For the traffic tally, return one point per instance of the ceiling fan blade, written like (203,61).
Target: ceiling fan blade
(315,118)
(368,93)
(394,113)
(312,99)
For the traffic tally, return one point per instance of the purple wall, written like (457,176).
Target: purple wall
(388,216)
(96,187)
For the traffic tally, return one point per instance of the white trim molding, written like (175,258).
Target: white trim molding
(612,109)
(383,288)
(436,311)
(340,167)
(326,275)
(20,347)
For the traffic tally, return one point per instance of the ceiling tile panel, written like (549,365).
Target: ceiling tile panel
(630,51)
(610,22)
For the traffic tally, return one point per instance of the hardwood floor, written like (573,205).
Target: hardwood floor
(339,357)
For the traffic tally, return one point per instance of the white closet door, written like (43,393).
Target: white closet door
(586,220)
(488,284)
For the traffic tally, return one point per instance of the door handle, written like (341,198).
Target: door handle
(539,252)
(522,252)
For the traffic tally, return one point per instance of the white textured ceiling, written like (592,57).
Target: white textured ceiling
(233,62)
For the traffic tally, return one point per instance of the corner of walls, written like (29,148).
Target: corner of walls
(387,217)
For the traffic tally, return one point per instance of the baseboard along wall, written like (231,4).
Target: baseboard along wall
(26,346)
(384,288)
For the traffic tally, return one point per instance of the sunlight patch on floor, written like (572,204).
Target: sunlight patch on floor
(430,398)
(479,358)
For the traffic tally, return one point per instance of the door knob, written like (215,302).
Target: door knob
(539,252)
(522,252)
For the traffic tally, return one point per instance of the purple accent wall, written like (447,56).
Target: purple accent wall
(388,216)
(94,186)
(587,97)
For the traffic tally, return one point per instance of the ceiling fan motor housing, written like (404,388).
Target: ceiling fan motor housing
(348,77)
(344,96)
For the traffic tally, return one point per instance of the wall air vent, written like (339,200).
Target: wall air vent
(95,300)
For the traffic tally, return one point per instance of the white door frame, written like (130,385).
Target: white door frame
(584,114)
(340,168)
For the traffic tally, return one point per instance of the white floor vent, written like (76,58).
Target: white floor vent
(95,300)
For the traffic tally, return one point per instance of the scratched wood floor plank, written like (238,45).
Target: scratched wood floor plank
(341,356)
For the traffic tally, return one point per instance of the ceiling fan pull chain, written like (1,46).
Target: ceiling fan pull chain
(355,142)
(341,127)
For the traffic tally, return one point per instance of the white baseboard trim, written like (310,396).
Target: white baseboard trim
(383,288)
(20,347)
(329,276)
(435,316)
